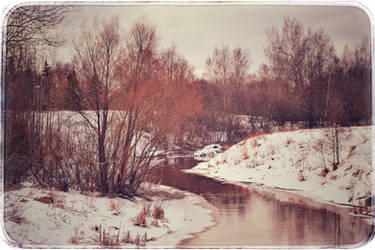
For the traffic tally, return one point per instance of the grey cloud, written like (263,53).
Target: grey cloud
(196,30)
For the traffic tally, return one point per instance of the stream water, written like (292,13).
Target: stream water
(247,217)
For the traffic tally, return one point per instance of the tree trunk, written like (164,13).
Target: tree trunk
(103,166)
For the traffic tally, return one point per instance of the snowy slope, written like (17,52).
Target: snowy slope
(77,219)
(295,160)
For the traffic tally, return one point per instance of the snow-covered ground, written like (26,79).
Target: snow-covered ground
(296,159)
(208,152)
(31,220)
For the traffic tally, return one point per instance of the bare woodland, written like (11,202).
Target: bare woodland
(124,98)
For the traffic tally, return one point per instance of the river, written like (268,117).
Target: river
(248,217)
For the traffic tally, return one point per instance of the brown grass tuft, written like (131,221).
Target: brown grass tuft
(351,153)
(147,209)
(289,141)
(75,238)
(17,219)
(356,173)
(141,220)
(127,238)
(54,199)
(44,199)
(112,206)
(155,223)
(333,177)
(255,144)
(137,240)
(158,213)
(105,239)
(144,238)
(245,156)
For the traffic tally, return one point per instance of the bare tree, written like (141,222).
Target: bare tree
(177,82)
(228,69)
(33,25)
(301,60)
(95,62)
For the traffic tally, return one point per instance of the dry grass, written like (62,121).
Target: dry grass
(75,239)
(141,220)
(289,141)
(255,143)
(127,239)
(140,241)
(117,239)
(17,219)
(112,206)
(349,168)
(245,156)
(301,176)
(324,172)
(333,177)
(158,213)
(105,239)
(144,239)
(356,173)
(54,199)
(147,209)
(271,150)
(14,210)
(45,199)
(155,223)
(351,153)
(137,240)
(60,204)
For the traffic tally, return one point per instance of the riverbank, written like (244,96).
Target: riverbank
(301,160)
(35,217)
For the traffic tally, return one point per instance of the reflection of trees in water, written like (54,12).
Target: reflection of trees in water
(291,223)
(306,223)
(230,201)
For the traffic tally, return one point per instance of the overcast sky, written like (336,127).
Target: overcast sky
(197,29)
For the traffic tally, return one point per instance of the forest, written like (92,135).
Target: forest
(97,122)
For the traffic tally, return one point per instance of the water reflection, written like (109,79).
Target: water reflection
(247,217)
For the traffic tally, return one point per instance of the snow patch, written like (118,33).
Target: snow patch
(296,160)
(31,219)
(208,152)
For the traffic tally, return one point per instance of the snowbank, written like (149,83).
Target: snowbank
(208,152)
(296,160)
(31,220)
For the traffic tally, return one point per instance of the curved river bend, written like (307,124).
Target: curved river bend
(246,217)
